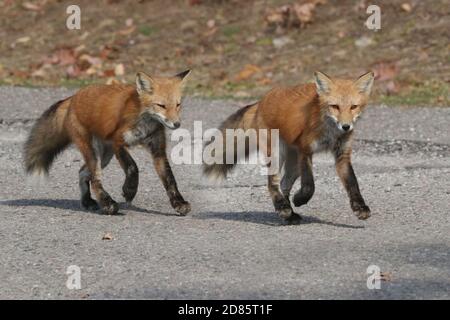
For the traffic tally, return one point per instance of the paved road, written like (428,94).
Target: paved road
(232,245)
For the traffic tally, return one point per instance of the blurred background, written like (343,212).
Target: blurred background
(237,48)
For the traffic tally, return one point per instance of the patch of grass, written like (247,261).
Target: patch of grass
(212,95)
(266,41)
(231,30)
(31,83)
(428,94)
(236,86)
(27,83)
(231,48)
(147,30)
(77,83)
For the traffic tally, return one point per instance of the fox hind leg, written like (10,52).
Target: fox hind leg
(84,144)
(105,153)
(281,204)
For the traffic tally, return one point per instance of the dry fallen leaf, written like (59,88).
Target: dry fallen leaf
(264,81)
(95,61)
(129,22)
(41,72)
(341,34)
(108,73)
(392,87)
(111,80)
(361,5)
(63,57)
(298,14)
(84,36)
(210,32)
(119,69)
(211,23)
(105,52)
(278,17)
(73,71)
(304,12)
(385,276)
(19,74)
(248,71)
(127,31)
(406,7)
(32,6)
(385,71)
(6,3)
(107,236)
(385,74)
(22,40)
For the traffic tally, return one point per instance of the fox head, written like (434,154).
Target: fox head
(161,97)
(343,100)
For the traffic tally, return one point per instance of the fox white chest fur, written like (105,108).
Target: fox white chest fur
(331,139)
(142,131)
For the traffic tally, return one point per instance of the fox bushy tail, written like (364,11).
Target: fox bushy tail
(47,139)
(244,118)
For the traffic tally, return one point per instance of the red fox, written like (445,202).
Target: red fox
(310,118)
(105,120)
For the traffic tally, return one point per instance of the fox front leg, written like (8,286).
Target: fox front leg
(86,199)
(130,186)
(307,181)
(157,147)
(345,172)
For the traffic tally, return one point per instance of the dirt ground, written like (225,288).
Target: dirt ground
(236,48)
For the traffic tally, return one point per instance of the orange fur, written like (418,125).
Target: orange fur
(102,120)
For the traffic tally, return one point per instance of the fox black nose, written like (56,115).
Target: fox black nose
(176,125)
(345,127)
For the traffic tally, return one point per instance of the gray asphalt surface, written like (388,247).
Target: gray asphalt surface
(232,245)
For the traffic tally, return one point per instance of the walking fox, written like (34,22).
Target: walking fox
(105,120)
(310,118)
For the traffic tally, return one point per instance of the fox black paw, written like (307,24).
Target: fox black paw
(303,196)
(361,211)
(294,219)
(111,208)
(363,214)
(89,204)
(129,194)
(183,208)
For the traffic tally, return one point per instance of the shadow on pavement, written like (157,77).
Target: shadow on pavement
(70,204)
(269,218)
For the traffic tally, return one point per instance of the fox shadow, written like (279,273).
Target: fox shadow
(269,219)
(74,205)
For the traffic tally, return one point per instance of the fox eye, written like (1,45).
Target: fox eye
(161,105)
(353,107)
(334,106)
(178,105)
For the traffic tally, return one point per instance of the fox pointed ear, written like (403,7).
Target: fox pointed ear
(365,82)
(323,82)
(183,75)
(144,83)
